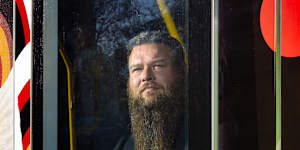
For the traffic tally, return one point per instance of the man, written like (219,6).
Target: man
(156,92)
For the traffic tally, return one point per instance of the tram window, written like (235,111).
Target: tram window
(93,74)
(246,77)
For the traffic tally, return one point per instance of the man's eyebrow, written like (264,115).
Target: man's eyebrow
(163,60)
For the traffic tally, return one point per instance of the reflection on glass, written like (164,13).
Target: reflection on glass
(290,102)
(246,79)
(93,36)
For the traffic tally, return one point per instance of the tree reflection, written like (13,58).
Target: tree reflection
(94,34)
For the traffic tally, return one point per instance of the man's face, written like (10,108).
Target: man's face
(155,96)
(151,71)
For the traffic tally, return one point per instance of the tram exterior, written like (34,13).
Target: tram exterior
(15,74)
(64,73)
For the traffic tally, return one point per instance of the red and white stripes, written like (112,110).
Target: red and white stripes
(22,79)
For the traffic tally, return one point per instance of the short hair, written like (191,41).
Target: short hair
(159,37)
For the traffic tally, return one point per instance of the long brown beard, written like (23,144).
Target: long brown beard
(155,126)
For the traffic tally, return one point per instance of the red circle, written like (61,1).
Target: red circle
(290,26)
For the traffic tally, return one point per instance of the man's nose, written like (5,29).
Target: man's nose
(147,74)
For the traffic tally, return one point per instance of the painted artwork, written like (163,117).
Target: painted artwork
(6,49)
(23,74)
(6,75)
(15,71)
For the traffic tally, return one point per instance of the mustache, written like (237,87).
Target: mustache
(148,85)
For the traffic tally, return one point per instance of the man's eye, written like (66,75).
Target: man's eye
(136,69)
(158,66)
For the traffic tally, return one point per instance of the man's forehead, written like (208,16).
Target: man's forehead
(150,49)
(150,59)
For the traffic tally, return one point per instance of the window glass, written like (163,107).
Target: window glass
(290,94)
(247,98)
(290,71)
(93,70)
(93,109)
(199,85)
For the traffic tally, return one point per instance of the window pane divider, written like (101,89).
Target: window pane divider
(215,76)
(278,11)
